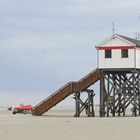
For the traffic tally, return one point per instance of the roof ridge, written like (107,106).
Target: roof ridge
(134,41)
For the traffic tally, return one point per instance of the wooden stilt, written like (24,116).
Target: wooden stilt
(102,111)
(87,105)
(121,89)
(77,105)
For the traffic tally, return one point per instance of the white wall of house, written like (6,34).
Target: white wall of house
(138,58)
(116,61)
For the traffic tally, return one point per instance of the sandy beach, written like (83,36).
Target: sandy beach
(60,124)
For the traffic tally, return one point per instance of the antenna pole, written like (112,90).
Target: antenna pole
(113,28)
(136,35)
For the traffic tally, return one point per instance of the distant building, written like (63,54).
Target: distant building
(117,52)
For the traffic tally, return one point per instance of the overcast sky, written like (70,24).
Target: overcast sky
(47,43)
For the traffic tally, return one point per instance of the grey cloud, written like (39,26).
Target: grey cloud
(46,43)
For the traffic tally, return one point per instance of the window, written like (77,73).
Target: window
(108,54)
(124,53)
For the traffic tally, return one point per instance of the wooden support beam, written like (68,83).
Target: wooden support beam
(102,110)
(87,105)
(77,105)
(121,90)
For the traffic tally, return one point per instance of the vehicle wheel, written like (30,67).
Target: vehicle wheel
(14,112)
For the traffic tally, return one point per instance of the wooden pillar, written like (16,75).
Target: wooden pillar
(92,104)
(90,108)
(102,111)
(123,97)
(139,91)
(108,95)
(114,79)
(134,93)
(119,97)
(77,104)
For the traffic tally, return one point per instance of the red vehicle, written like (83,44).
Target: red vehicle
(25,109)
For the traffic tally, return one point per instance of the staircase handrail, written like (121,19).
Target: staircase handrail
(53,94)
(87,75)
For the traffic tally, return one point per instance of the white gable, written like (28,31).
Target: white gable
(115,41)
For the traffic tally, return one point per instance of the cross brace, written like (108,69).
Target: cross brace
(87,105)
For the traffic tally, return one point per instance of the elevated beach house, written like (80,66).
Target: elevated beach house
(119,52)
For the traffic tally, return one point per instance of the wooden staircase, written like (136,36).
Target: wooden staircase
(66,90)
